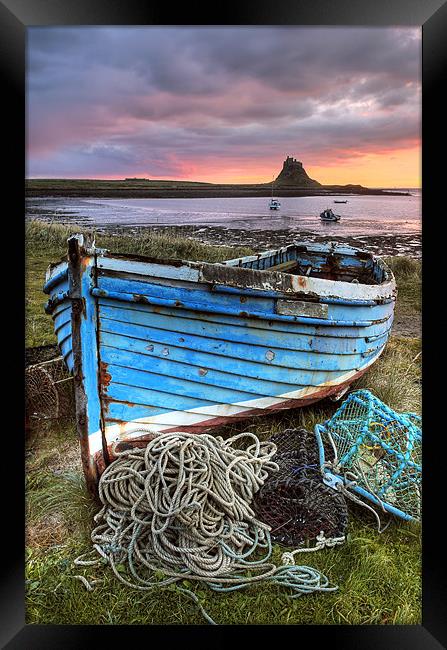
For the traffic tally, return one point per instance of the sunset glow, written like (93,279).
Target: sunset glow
(225,105)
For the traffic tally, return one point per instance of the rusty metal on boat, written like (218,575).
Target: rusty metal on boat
(159,345)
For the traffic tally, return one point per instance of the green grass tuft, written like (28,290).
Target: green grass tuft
(378,579)
(408,274)
(46,243)
(396,377)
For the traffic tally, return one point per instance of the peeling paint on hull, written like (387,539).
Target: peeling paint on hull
(133,437)
(167,345)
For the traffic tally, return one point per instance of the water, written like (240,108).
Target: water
(361,215)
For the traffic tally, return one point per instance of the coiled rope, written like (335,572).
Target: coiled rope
(182,506)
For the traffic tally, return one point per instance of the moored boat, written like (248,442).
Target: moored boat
(328,215)
(169,345)
(274,204)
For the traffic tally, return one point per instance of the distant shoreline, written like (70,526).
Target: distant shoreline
(183,189)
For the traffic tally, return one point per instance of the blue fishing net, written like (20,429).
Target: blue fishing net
(377,452)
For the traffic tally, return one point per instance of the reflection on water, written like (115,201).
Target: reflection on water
(361,215)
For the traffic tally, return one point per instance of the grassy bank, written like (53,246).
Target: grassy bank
(407,315)
(145,188)
(378,575)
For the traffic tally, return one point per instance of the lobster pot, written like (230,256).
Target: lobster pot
(378,453)
(294,501)
(48,390)
(40,353)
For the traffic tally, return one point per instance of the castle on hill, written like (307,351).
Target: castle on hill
(293,174)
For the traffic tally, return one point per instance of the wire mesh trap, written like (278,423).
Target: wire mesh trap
(377,453)
(48,388)
(294,501)
(41,353)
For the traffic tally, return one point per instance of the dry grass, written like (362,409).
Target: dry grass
(396,379)
(47,243)
(52,239)
(408,274)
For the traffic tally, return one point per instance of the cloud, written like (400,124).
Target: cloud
(118,100)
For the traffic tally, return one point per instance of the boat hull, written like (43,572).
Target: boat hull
(176,346)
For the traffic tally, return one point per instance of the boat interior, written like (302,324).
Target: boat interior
(344,265)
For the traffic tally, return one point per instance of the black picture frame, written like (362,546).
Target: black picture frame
(15,17)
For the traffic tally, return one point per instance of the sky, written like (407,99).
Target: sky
(225,105)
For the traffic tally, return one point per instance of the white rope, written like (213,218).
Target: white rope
(321,542)
(182,506)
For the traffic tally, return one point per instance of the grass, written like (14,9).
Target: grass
(396,379)
(170,187)
(82,185)
(408,274)
(86,183)
(379,576)
(378,580)
(46,243)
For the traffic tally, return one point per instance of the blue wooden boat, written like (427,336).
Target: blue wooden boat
(166,345)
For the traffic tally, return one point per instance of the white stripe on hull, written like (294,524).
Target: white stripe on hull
(157,423)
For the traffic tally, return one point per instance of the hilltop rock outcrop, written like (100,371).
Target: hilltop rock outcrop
(293,174)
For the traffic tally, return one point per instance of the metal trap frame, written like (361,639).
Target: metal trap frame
(48,385)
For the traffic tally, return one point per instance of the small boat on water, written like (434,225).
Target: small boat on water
(274,203)
(162,345)
(340,201)
(328,215)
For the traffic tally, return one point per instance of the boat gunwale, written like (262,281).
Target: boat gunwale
(320,331)
(231,274)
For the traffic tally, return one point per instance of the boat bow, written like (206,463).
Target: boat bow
(163,345)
